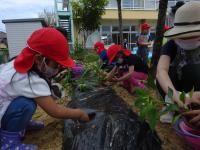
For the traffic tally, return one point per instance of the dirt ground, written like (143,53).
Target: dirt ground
(50,138)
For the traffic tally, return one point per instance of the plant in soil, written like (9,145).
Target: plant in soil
(148,107)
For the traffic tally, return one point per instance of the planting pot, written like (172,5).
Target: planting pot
(191,136)
(186,119)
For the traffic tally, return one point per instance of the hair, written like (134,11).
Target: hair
(33,70)
(63,31)
(175,8)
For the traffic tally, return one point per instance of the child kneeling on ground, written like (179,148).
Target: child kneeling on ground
(131,70)
(24,84)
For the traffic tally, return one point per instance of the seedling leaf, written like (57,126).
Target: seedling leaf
(170,92)
(182,96)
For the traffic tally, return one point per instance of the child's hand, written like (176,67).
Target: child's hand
(115,79)
(195,117)
(194,99)
(83,116)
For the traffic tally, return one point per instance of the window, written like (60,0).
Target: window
(59,6)
(139,3)
(133,28)
(127,3)
(115,29)
(126,28)
(150,4)
(171,3)
(112,4)
(105,28)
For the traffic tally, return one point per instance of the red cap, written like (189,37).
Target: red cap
(48,42)
(100,47)
(166,27)
(113,50)
(145,26)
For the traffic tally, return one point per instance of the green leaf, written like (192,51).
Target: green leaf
(141,92)
(141,102)
(170,92)
(152,116)
(191,92)
(170,108)
(182,96)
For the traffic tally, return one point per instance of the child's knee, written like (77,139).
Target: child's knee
(24,104)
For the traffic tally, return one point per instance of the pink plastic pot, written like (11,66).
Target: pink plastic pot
(77,70)
(191,135)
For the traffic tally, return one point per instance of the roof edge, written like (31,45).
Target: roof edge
(42,20)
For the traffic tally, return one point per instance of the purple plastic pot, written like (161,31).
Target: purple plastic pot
(77,70)
(191,135)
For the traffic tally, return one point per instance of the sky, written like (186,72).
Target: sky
(18,9)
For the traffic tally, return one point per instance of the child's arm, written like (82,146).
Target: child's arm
(111,73)
(128,75)
(51,108)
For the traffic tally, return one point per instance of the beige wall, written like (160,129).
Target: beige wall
(130,17)
(131,14)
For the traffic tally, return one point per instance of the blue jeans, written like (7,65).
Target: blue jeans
(143,53)
(18,114)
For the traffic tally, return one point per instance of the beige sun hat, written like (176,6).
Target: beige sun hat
(186,22)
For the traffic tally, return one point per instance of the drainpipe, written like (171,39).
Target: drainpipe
(72,23)
(56,11)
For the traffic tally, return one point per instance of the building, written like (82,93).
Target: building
(18,31)
(3,40)
(134,13)
(3,47)
(64,17)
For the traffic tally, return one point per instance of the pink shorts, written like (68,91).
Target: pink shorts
(135,81)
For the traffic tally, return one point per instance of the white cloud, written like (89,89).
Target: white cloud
(14,9)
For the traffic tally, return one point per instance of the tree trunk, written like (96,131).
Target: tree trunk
(120,21)
(159,35)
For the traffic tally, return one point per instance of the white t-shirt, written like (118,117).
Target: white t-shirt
(13,84)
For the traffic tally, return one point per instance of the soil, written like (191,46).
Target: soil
(50,138)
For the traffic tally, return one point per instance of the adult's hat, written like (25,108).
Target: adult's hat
(48,42)
(113,50)
(186,22)
(145,26)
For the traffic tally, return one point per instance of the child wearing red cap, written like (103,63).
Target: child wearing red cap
(103,57)
(144,40)
(101,51)
(130,68)
(24,84)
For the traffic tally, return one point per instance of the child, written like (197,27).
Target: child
(23,85)
(103,57)
(143,42)
(101,51)
(131,69)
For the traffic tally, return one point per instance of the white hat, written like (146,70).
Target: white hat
(186,22)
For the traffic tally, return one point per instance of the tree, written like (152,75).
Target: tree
(87,13)
(120,21)
(159,35)
(49,17)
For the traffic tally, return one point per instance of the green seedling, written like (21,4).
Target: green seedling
(147,107)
